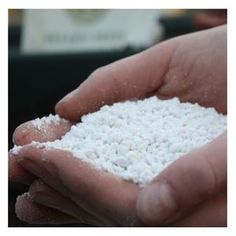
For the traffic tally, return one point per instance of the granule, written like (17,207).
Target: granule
(136,140)
(51,119)
(16,149)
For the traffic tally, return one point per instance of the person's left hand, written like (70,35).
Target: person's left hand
(65,190)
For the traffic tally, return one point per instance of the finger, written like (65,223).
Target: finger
(133,77)
(31,173)
(45,195)
(33,213)
(37,162)
(18,174)
(46,131)
(98,192)
(192,179)
(213,213)
(28,132)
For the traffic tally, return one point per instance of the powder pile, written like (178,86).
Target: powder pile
(51,119)
(136,140)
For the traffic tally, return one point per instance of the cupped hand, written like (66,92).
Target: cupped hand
(62,188)
(191,191)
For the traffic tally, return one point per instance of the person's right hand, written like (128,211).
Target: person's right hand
(191,67)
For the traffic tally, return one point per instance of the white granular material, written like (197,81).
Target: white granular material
(51,119)
(136,140)
(16,149)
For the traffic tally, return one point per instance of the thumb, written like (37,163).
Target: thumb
(136,76)
(189,181)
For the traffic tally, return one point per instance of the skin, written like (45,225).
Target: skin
(190,192)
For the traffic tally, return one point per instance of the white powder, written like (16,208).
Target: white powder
(51,119)
(136,140)
(15,150)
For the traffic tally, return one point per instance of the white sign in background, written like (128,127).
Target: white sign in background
(52,31)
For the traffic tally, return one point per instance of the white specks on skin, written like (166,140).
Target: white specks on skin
(186,74)
(45,159)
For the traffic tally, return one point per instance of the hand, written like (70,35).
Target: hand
(191,191)
(192,67)
(71,190)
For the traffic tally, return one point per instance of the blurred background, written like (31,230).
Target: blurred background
(52,51)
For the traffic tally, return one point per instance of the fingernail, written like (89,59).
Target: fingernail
(156,204)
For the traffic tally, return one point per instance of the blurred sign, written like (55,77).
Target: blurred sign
(51,31)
